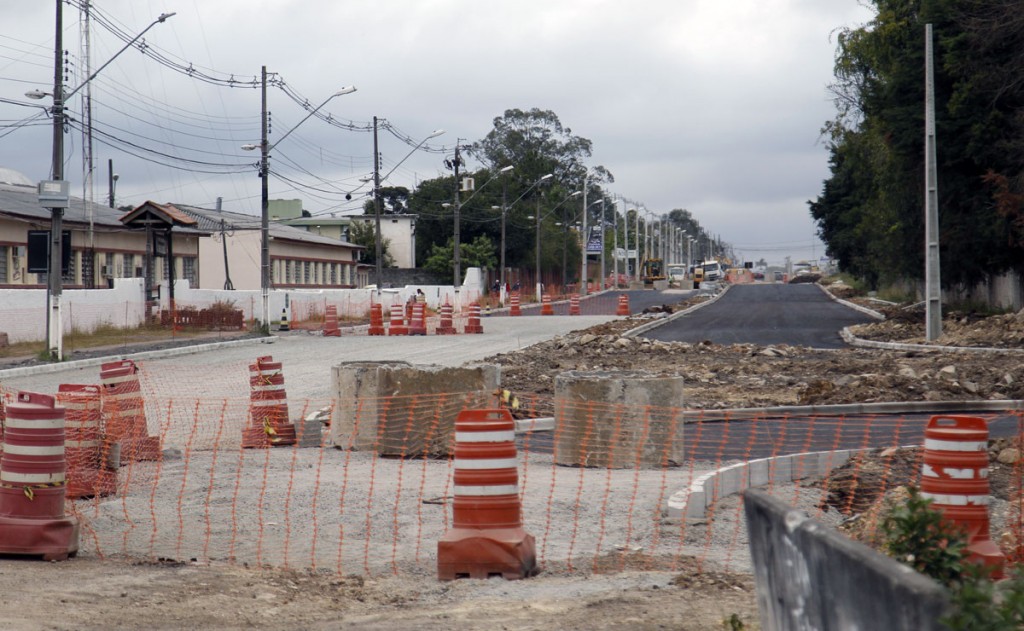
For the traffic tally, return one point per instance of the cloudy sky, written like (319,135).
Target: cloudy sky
(707,105)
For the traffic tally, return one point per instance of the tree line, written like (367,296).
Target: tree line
(870,213)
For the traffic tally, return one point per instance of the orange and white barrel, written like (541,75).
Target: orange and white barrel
(32,469)
(514,306)
(574,304)
(487,536)
(268,406)
(87,473)
(446,327)
(376,319)
(473,325)
(124,411)
(397,325)
(623,308)
(954,475)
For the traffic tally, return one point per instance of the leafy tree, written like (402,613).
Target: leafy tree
(394,200)
(364,233)
(478,253)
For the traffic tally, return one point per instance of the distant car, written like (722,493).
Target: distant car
(759,275)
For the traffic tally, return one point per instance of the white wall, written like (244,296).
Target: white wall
(23,311)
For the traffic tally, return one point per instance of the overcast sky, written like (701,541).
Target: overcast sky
(710,105)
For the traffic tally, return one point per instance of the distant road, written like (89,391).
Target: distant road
(764,314)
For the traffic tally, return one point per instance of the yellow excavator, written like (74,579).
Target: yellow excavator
(652,270)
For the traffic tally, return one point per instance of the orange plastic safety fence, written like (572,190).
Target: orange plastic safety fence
(367,486)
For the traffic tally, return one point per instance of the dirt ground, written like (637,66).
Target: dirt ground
(87,593)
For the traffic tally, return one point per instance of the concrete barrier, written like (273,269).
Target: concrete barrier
(401,409)
(810,576)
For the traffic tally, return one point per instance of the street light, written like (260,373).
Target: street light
(586,247)
(54,270)
(265,149)
(456,250)
(537,280)
(378,246)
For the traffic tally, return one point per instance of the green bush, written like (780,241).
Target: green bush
(920,537)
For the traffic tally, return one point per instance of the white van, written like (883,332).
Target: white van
(712,270)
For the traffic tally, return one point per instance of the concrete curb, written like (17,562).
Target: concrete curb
(853,340)
(852,305)
(28,371)
(692,502)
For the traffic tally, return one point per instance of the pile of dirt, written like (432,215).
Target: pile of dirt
(907,324)
(871,484)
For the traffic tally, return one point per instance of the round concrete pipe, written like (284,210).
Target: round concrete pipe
(618,419)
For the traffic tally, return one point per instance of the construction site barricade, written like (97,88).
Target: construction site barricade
(331,328)
(445,327)
(545,305)
(514,306)
(85,450)
(124,412)
(376,319)
(954,475)
(487,538)
(574,305)
(418,326)
(268,407)
(397,324)
(32,481)
(623,308)
(473,325)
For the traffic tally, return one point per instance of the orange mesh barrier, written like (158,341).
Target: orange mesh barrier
(629,485)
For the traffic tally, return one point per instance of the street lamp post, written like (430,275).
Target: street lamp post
(265,149)
(54,272)
(456,255)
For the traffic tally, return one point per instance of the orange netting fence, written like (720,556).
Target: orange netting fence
(375,495)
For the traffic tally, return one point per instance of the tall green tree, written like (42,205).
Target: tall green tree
(871,209)
(365,234)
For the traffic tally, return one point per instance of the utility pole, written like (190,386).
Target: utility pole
(456,255)
(264,208)
(54,278)
(615,243)
(378,246)
(586,239)
(933,285)
(604,207)
(504,194)
(536,248)
(89,258)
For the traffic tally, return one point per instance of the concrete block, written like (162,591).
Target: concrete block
(401,409)
(731,480)
(780,470)
(759,472)
(810,576)
(697,505)
(618,419)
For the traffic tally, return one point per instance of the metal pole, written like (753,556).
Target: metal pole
(378,246)
(933,285)
(264,209)
(456,259)
(603,231)
(586,239)
(504,194)
(536,266)
(615,244)
(55,341)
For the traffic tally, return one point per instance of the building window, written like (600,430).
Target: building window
(127,265)
(334,273)
(289,273)
(108,265)
(188,269)
(71,277)
(4,276)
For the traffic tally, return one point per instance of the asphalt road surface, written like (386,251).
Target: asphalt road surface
(765,314)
